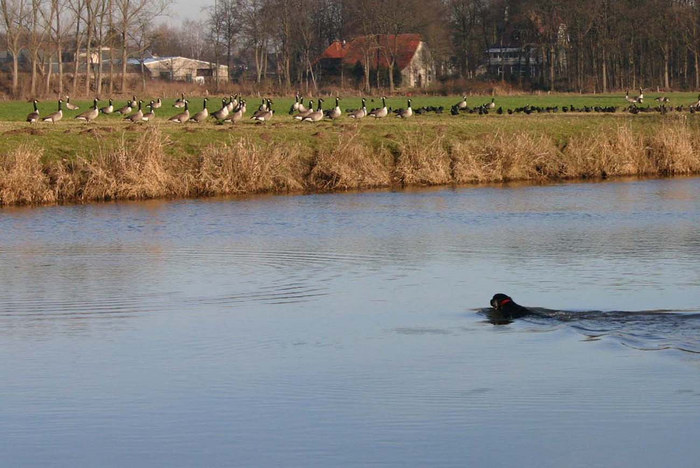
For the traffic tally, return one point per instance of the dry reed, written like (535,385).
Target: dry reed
(422,160)
(350,164)
(143,168)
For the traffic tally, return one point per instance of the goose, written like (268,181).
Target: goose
(303,114)
(202,115)
(628,98)
(133,102)
(239,114)
(56,116)
(264,106)
(150,115)
(492,104)
(317,115)
(662,99)
(108,109)
(180,102)
(126,109)
(232,103)
(182,117)
(335,112)
(137,116)
(640,98)
(69,105)
(461,105)
(90,114)
(696,104)
(264,116)
(360,113)
(34,116)
(295,106)
(381,112)
(405,113)
(156,104)
(222,113)
(302,108)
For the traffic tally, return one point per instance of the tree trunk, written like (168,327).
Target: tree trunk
(15,74)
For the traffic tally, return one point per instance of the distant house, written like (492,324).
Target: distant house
(512,61)
(411,55)
(183,69)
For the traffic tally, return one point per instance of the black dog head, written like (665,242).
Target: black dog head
(499,300)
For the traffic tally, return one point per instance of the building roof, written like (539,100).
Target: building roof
(403,45)
(152,60)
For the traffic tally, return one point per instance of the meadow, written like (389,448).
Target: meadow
(108,159)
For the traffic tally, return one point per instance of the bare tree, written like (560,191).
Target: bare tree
(15,14)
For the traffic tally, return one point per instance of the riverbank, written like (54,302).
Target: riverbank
(73,162)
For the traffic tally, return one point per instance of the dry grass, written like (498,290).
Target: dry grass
(422,160)
(143,168)
(247,167)
(23,179)
(350,164)
(501,158)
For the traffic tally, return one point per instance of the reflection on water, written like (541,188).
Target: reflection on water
(338,330)
(643,330)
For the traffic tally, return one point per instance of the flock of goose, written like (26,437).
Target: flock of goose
(234,110)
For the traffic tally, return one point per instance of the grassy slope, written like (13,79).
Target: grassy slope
(70,138)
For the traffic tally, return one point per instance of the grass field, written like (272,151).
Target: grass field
(105,159)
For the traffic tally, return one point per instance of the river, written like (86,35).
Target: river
(349,329)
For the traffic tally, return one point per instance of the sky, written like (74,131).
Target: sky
(181,10)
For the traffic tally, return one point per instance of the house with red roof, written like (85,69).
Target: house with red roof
(408,54)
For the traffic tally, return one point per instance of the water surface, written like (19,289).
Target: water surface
(345,330)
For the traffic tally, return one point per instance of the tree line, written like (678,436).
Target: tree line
(572,45)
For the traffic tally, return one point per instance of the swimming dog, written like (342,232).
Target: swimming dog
(505,310)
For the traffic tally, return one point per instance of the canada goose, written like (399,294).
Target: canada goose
(462,104)
(202,115)
(360,113)
(239,114)
(264,106)
(133,102)
(156,104)
(295,106)
(317,115)
(108,109)
(662,99)
(264,116)
(335,112)
(232,103)
(182,117)
(628,98)
(137,116)
(126,109)
(69,105)
(222,113)
(90,114)
(302,108)
(696,104)
(56,116)
(34,116)
(180,102)
(406,113)
(381,112)
(150,115)
(303,114)
(492,104)
(640,98)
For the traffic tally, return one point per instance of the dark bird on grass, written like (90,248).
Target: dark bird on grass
(34,116)
(56,116)
(90,114)
(108,109)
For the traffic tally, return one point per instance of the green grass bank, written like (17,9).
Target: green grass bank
(111,159)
